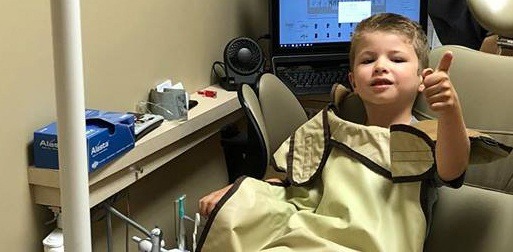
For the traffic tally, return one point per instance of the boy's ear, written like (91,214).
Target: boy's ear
(421,85)
(423,74)
(351,80)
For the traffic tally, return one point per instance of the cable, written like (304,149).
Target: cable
(216,73)
(265,53)
(126,224)
(265,36)
(109,231)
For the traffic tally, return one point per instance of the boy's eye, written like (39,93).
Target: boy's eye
(398,60)
(366,61)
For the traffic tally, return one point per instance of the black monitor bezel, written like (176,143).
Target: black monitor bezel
(324,48)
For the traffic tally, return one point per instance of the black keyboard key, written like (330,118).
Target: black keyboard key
(303,80)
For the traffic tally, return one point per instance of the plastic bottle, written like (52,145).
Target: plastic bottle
(54,242)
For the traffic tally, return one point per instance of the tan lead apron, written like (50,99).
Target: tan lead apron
(353,188)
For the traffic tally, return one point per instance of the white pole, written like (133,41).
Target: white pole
(69,90)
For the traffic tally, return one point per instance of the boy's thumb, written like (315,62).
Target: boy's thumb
(445,62)
(427,72)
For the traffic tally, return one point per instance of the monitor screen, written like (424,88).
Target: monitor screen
(326,26)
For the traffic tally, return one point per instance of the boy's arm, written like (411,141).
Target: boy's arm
(452,145)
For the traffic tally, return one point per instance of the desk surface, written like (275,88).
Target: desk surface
(151,152)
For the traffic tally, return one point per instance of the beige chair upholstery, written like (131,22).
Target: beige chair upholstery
(472,219)
(281,110)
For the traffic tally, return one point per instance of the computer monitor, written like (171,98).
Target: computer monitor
(311,27)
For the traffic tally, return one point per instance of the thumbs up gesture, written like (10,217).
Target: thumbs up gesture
(438,89)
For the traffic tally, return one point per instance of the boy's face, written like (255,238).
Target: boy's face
(385,70)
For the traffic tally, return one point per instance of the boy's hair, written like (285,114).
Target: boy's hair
(393,23)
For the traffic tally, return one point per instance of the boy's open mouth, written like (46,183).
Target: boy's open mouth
(381,82)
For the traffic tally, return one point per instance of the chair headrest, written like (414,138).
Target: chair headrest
(348,106)
(495,16)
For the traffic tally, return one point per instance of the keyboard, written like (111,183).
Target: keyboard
(305,80)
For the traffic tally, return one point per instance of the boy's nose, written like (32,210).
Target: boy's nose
(380,67)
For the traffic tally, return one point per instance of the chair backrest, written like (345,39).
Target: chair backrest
(282,111)
(257,139)
(272,117)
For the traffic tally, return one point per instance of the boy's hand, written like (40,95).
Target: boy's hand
(207,203)
(452,146)
(438,89)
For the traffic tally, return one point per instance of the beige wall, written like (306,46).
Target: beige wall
(129,46)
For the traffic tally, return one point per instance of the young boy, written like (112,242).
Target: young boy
(388,62)
(355,187)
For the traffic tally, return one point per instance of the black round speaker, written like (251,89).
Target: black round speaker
(244,62)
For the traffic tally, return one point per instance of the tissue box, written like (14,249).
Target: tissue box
(108,135)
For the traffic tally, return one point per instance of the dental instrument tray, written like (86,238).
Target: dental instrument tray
(145,123)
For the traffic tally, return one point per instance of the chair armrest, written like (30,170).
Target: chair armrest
(471,219)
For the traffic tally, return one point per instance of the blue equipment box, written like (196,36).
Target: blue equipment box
(108,134)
